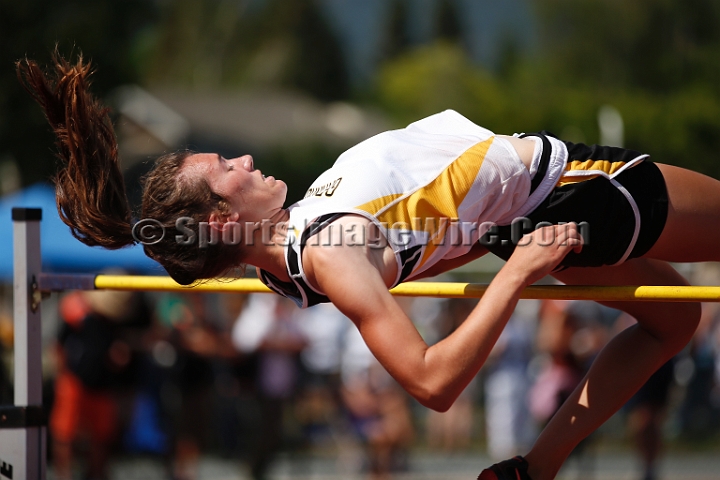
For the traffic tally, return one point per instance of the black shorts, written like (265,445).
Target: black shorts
(605,215)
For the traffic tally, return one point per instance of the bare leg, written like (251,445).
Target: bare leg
(624,364)
(692,230)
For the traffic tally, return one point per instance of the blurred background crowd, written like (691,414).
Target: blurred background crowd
(176,377)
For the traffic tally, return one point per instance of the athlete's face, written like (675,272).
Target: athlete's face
(252,196)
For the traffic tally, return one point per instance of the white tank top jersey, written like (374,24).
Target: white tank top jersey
(433,189)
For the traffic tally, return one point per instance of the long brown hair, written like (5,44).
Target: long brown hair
(90,190)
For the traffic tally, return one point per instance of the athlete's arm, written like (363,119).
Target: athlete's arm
(443,266)
(435,375)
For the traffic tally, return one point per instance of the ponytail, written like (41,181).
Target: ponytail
(90,190)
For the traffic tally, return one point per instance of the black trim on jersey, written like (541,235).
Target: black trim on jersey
(304,291)
(544,158)
(322,222)
(286,289)
(317,226)
(409,258)
(313,298)
(298,290)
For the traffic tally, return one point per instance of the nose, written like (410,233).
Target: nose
(246,161)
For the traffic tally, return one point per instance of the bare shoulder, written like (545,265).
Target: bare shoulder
(524,147)
(348,248)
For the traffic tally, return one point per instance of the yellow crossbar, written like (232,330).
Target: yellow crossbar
(434,289)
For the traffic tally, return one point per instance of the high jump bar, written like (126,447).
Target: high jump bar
(54,282)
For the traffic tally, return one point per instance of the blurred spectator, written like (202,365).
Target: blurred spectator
(697,371)
(569,336)
(318,405)
(6,345)
(647,411)
(233,375)
(173,405)
(510,428)
(185,348)
(268,328)
(698,368)
(377,409)
(90,358)
(436,319)
(562,371)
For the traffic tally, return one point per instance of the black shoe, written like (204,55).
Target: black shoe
(513,469)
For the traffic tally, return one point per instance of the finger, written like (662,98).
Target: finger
(526,240)
(565,233)
(546,236)
(574,238)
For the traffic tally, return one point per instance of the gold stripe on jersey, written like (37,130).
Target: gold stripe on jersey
(432,207)
(572,170)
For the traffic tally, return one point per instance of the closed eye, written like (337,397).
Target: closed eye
(222,159)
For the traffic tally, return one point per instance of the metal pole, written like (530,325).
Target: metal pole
(22,434)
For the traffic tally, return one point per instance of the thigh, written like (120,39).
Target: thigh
(666,320)
(692,229)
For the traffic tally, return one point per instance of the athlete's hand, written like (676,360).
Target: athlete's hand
(540,252)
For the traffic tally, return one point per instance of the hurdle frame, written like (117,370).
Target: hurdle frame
(23,436)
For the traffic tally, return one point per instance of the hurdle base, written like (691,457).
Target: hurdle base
(17,462)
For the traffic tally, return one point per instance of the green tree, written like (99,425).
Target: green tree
(220,43)
(657,45)
(106,31)
(655,61)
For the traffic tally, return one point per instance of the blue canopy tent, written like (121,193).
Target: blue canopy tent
(61,252)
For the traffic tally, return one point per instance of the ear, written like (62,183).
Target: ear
(221,219)
(218,221)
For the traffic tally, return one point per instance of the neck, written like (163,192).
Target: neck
(267,251)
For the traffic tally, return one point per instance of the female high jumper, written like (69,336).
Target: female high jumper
(407,204)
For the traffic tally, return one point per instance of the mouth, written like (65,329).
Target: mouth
(250,166)
(265,178)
